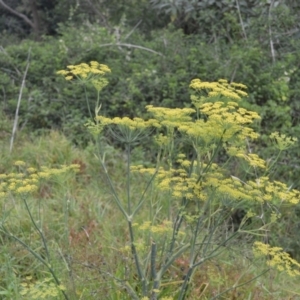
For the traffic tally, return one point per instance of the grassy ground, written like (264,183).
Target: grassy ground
(86,235)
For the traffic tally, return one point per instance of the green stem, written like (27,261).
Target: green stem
(117,200)
(127,287)
(139,205)
(136,259)
(87,102)
(128,179)
(212,159)
(274,162)
(193,257)
(237,286)
(38,230)
(185,285)
(176,227)
(98,106)
(215,250)
(168,263)
(153,259)
(38,257)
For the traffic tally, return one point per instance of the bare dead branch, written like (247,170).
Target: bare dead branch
(131,46)
(270,32)
(241,20)
(16,13)
(19,102)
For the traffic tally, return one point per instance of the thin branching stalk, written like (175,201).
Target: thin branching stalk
(176,227)
(168,263)
(153,259)
(212,158)
(133,29)
(211,233)
(241,20)
(38,257)
(273,163)
(140,203)
(37,229)
(193,258)
(87,102)
(98,104)
(195,264)
(131,46)
(270,32)
(239,285)
(131,292)
(123,285)
(128,178)
(133,248)
(136,260)
(215,251)
(117,200)
(184,286)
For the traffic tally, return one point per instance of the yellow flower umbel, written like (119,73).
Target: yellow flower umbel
(124,129)
(221,119)
(224,121)
(265,190)
(217,90)
(277,258)
(84,73)
(171,117)
(41,289)
(88,73)
(176,181)
(281,141)
(132,124)
(26,179)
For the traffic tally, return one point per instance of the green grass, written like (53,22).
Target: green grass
(86,234)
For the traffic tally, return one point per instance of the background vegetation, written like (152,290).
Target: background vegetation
(154,49)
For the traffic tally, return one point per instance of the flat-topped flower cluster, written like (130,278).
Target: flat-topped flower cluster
(26,179)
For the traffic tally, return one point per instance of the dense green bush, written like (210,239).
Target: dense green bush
(154,69)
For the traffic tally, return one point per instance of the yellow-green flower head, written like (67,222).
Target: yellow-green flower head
(31,170)
(41,289)
(175,181)
(83,72)
(135,123)
(253,159)
(224,120)
(125,130)
(43,174)
(27,181)
(263,189)
(163,140)
(20,163)
(221,88)
(281,141)
(26,189)
(171,117)
(277,258)
(3,176)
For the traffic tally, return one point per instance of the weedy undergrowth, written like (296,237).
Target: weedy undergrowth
(18,186)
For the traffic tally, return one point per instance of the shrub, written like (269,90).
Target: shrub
(202,195)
